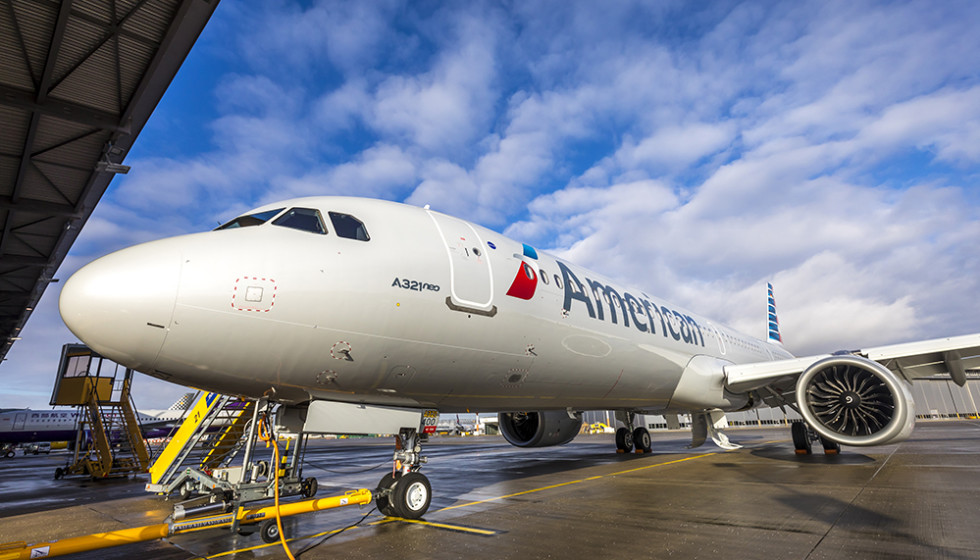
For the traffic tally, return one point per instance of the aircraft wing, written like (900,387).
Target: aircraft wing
(913,360)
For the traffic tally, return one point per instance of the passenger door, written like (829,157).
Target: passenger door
(471,280)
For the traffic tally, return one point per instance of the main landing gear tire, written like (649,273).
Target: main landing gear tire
(641,438)
(411,495)
(801,439)
(830,447)
(624,440)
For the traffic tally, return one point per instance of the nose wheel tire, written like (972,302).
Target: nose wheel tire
(411,495)
(624,440)
(383,501)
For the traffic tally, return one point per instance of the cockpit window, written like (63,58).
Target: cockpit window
(348,226)
(306,219)
(256,219)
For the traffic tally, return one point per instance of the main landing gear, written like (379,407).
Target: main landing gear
(803,436)
(405,492)
(629,437)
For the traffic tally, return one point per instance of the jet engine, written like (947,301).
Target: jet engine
(855,401)
(539,429)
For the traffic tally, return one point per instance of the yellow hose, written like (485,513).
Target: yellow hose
(267,437)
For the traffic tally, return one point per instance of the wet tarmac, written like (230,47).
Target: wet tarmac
(917,499)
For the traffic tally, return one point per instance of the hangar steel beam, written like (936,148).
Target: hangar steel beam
(65,110)
(38,90)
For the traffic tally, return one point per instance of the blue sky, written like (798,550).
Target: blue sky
(696,150)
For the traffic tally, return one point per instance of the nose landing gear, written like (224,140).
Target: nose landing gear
(405,492)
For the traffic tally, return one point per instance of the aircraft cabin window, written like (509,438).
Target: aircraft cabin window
(528,271)
(256,219)
(306,219)
(348,226)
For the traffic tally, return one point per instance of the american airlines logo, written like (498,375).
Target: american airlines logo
(599,298)
(526,281)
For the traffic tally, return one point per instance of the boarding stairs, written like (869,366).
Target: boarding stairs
(202,463)
(115,444)
(109,440)
(210,436)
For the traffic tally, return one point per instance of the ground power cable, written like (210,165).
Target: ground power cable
(332,534)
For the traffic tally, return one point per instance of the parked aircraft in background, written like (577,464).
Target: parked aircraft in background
(170,415)
(367,315)
(26,425)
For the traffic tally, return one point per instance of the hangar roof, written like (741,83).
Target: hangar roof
(78,80)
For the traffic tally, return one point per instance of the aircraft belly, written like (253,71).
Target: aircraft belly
(526,369)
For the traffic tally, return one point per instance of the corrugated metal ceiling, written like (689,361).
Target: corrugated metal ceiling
(76,78)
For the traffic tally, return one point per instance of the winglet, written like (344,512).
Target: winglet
(773,321)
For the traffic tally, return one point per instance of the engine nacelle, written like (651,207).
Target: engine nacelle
(855,401)
(539,429)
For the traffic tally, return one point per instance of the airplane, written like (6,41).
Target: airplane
(367,316)
(24,425)
(175,412)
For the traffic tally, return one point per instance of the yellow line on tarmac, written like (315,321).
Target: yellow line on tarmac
(575,482)
(474,530)
(484,532)
(263,545)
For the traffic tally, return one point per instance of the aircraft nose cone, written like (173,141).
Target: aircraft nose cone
(121,305)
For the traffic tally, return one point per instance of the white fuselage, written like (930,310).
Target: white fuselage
(26,425)
(431,311)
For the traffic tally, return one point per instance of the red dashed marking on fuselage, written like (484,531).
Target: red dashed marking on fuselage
(272,299)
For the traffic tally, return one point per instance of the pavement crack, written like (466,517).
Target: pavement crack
(850,504)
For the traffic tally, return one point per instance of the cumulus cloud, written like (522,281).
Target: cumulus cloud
(693,151)
(444,109)
(675,147)
(381,172)
(946,122)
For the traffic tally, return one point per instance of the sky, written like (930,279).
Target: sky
(696,150)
